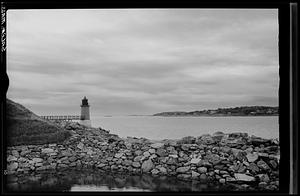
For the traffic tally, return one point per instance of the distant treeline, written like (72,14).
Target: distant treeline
(237,111)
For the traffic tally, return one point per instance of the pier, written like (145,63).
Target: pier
(62,118)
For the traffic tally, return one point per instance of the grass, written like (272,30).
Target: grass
(31,131)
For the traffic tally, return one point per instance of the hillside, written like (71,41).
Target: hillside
(25,127)
(237,111)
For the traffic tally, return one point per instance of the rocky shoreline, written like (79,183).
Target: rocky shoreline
(220,158)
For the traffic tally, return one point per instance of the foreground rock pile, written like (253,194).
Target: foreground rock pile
(223,158)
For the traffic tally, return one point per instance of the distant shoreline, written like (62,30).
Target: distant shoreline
(215,115)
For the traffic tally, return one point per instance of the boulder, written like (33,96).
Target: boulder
(47,150)
(151,151)
(263,165)
(243,177)
(161,152)
(147,166)
(195,174)
(263,177)
(12,166)
(11,158)
(203,177)
(182,169)
(155,171)
(136,164)
(213,158)
(217,136)
(119,155)
(202,170)
(37,160)
(252,157)
(205,139)
(146,154)
(162,170)
(80,145)
(157,145)
(195,160)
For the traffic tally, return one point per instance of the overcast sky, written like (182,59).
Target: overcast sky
(142,61)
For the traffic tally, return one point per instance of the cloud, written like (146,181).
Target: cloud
(142,60)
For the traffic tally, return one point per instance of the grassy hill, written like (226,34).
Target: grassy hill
(24,127)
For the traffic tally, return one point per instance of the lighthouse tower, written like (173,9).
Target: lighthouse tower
(85,113)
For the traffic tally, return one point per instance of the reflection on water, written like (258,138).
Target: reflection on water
(89,180)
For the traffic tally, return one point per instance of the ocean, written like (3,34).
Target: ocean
(156,127)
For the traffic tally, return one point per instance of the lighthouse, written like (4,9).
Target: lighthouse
(85,113)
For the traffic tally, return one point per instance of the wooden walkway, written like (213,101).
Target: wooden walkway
(62,118)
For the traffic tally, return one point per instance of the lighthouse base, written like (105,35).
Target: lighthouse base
(86,123)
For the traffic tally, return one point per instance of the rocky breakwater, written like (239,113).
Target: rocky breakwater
(236,158)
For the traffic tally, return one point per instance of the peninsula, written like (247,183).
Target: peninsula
(236,111)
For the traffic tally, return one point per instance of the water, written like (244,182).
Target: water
(95,181)
(154,127)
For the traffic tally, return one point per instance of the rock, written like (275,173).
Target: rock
(205,139)
(137,158)
(25,152)
(205,163)
(222,180)
(195,160)
(263,165)
(151,151)
(195,174)
(243,177)
(89,152)
(47,150)
(15,153)
(262,184)
(147,166)
(253,167)
(138,152)
(72,159)
(173,156)
(146,154)
(11,158)
(217,136)
(127,162)
(37,160)
(136,164)
(101,165)
(225,149)
(162,170)
(182,169)
(213,158)
(161,152)
(155,171)
(202,170)
(273,164)
(80,145)
(238,135)
(264,177)
(119,155)
(157,145)
(185,147)
(13,166)
(252,157)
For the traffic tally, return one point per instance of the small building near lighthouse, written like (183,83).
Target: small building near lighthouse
(85,113)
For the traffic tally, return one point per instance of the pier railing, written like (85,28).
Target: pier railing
(62,118)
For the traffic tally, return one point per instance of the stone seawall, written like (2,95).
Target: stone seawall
(223,158)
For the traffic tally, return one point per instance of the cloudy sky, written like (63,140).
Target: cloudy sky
(142,61)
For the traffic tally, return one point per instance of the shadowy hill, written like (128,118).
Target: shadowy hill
(24,127)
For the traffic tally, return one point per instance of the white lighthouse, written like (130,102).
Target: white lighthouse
(85,113)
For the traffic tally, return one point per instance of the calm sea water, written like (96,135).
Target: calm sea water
(94,180)
(153,127)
